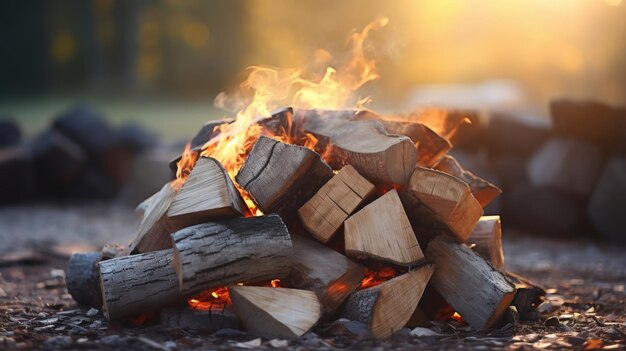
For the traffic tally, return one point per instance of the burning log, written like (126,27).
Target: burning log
(275,312)
(210,320)
(82,278)
(282,177)
(438,203)
(231,250)
(387,307)
(482,190)
(381,230)
(324,271)
(323,215)
(207,193)
(486,240)
(138,283)
(478,292)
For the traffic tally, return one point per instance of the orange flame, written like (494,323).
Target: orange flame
(184,166)
(266,89)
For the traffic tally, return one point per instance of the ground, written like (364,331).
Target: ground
(585,280)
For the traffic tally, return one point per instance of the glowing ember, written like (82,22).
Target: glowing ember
(217,297)
(275,283)
(376,277)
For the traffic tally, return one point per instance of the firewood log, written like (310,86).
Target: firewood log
(478,292)
(387,307)
(482,190)
(138,283)
(17,182)
(275,312)
(324,214)
(282,177)
(569,165)
(82,278)
(216,317)
(438,203)
(229,251)
(376,155)
(324,271)
(430,146)
(486,240)
(381,230)
(207,193)
(57,161)
(527,296)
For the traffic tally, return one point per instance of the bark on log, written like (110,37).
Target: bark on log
(381,230)
(324,214)
(82,279)
(438,203)
(138,283)
(282,177)
(387,307)
(275,312)
(483,191)
(486,241)
(229,251)
(207,193)
(478,292)
(324,271)
(219,316)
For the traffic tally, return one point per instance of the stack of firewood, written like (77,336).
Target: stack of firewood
(358,233)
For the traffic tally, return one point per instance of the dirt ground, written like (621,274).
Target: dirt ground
(585,281)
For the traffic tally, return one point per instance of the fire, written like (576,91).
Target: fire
(267,89)
(210,298)
(376,277)
(184,166)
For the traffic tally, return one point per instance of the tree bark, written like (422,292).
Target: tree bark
(229,251)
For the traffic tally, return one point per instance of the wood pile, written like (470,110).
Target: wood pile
(358,226)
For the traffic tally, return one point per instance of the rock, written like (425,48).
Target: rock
(346,327)
(421,332)
(590,121)
(229,333)
(10,134)
(92,312)
(567,164)
(111,340)
(57,342)
(544,211)
(513,135)
(606,208)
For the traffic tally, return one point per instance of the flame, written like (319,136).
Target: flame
(266,89)
(443,122)
(218,297)
(184,166)
(377,277)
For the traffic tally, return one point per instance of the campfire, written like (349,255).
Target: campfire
(283,218)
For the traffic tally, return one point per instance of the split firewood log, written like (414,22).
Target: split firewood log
(430,145)
(275,312)
(138,283)
(381,230)
(282,177)
(486,240)
(478,292)
(387,307)
(482,190)
(209,320)
(324,214)
(329,274)
(438,203)
(230,251)
(82,278)
(207,193)
(375,154)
